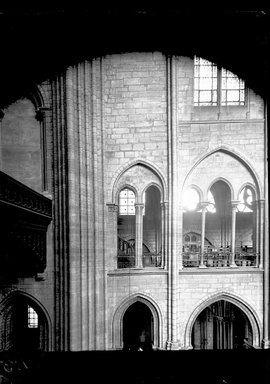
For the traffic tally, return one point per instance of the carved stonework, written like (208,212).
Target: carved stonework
(112,207)
(25,216)
(16,193)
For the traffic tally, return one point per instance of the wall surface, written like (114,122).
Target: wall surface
(129,120)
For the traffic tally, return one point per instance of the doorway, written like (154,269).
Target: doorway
(138,327)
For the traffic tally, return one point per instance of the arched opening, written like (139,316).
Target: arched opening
(222,325)
(126,230)
(247,242)
(219,216)
(25,326)
(138,328)
(152,228)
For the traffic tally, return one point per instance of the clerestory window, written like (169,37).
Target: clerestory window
(215,86)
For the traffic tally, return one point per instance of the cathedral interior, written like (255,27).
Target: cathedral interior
(134,195)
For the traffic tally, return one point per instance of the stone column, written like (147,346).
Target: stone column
(204,206)
(112,232)
(234,209)
(164,230)
(261,232)
(174,205)
(256,233)
(139,235)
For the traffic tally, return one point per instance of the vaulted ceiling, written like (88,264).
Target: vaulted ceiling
(39,43)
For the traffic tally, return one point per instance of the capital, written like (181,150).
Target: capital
(40,113)
(139,207)
(234,203)
(112,207)
(204,205)
(164,205)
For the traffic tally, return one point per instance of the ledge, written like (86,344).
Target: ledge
(222,270)
(137,271)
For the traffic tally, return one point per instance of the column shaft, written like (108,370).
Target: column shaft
(234,208)
(204,205)
(139,235)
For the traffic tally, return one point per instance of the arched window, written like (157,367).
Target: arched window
(126,229)
(247,226)
(246,200)
(24,326)
(32,321)
(127,202)
(152,234)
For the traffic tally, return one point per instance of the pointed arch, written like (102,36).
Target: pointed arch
(251,186)
(131,186)
(226,182)
(152,184)
(234,299)
(7,304)
(153,167)
(36,97)
(197,189)
(117,322)
(238,156)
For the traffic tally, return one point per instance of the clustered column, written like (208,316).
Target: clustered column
(164,231)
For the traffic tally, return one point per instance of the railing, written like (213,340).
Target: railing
(219,259)
(25,217)
(151,260)
(16,194)
(148,260)
(125,261)
(246,259)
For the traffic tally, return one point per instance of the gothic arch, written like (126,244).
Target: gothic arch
(130,186)
(237,155)
(197,188)
(251,187)
(36,97)
(234,299)
(154,168)
(152,184)
(8,302)
(226,182)
(117,322)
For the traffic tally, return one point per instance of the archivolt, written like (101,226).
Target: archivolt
(117,323)
(113,187)
(234,153)
(7,303)
(234,299)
